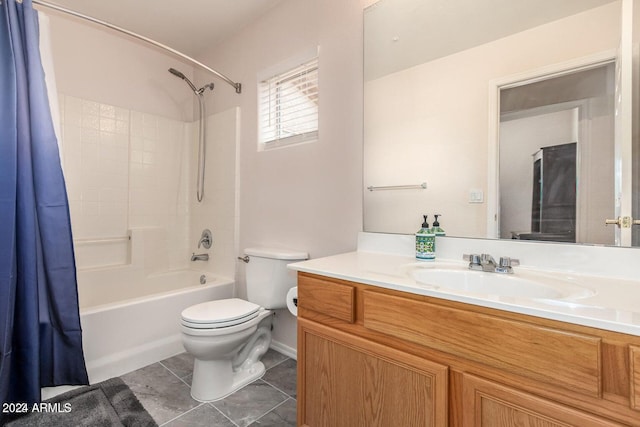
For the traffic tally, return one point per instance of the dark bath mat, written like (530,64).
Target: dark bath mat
(107,404)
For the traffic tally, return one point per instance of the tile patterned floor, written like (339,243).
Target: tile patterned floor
(163,389)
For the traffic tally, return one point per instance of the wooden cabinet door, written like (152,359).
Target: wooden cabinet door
(487,403)
(346,381)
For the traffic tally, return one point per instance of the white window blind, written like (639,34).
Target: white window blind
(288,106)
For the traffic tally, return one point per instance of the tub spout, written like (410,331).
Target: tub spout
(199,257)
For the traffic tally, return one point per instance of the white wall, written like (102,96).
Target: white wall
(101,65)
(305,197)
(432,119)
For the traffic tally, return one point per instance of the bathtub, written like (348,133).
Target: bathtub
(129,321)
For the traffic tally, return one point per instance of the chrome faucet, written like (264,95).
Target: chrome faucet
(485,262)
(199,257)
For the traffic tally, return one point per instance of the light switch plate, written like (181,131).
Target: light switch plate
(476,196)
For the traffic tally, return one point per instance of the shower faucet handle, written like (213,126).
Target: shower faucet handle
(206,239)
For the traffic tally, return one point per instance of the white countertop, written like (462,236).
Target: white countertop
(613,303)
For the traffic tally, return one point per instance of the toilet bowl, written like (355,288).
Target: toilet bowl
(228,337)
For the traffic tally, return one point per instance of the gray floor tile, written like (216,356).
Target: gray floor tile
(204,415)
(181,364)
(162,394)
(271,358)
(283,377)
(262,403)
(283,416)
(250,403)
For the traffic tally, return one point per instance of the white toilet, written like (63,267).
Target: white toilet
(228,337)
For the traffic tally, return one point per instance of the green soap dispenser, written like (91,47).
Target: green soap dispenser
(436,227)
(425,242)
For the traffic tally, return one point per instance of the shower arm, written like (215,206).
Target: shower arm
(237,86)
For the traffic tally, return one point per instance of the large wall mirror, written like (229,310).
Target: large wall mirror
(510,119)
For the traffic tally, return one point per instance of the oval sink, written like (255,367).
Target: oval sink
(527,285)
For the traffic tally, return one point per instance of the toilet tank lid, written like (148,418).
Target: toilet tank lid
(276,253)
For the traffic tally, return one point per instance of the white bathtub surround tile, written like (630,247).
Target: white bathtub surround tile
(136,124)
(218,210)
(95,170)
(126,169)
(156,187)
(150,126)
(122,114)
(122,127)
(72,110)
(90,108)
(90,208)
(107,111)
(90,150)
(107,124)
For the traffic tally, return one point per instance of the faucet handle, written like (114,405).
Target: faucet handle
(206,239)
(472,258)
(475,262)
(506,261)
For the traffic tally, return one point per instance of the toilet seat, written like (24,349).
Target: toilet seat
(219,314)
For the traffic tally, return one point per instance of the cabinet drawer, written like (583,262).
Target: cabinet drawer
(327,297)
(552,356)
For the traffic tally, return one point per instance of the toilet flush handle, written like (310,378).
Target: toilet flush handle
(245,258)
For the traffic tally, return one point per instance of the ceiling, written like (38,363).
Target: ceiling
(191,26)
(393,41)
(399,34)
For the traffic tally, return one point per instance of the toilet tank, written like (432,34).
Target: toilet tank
(267,276)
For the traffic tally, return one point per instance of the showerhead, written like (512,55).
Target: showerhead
(191,85)
(176,73)
(183,77)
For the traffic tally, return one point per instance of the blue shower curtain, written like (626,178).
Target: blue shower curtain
(40,335)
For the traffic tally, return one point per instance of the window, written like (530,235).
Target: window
(288,106)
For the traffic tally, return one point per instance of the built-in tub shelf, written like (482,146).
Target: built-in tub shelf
(101,240)
(97,252)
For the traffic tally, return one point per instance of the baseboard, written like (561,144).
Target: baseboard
(284,349)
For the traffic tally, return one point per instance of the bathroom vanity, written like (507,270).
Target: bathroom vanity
(378,348)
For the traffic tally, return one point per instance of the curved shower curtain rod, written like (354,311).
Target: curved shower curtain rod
(237,86)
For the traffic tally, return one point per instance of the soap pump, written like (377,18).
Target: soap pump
(425,242)
(436,227)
